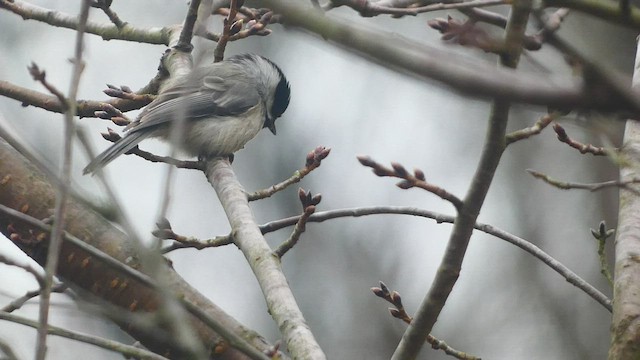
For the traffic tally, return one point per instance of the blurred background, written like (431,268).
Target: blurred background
(506,304)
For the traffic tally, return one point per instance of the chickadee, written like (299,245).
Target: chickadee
(224,105)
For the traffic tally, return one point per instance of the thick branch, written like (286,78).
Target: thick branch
(265,265)
(608,10)
(495,143)
(85,108)
(625,325)
(107,31)
(22,187)
(468,76)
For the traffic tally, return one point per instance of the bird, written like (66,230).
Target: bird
(223,106)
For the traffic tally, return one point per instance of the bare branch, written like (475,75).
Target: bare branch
(121,348)
(112,136)
(184,42)
(583,148)
(231,27)
(266,267)
(309,204)
(19,302)
(159,36)
(601,235)
(313,161)
(399,312)
(60,211)
(470,77)
(85,108)
(105,6)
(416,179)
(521,243)
(533,130)
(368,9)
(607,10)
(624,184)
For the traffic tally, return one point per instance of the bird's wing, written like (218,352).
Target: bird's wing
(199,97)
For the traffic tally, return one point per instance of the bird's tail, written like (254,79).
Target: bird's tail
(123,145)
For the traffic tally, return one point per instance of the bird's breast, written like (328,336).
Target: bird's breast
(223,135)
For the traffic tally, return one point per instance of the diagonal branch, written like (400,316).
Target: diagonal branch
(159,36)
(495,144)
(471,77)
(265,265)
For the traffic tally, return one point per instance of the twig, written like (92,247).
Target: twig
(57,233)
(234,339)
(229,25)
(583,148)
(417,179)
(111,345)
(553,24)
(523,244)
(625,184)
(399,312)
(124,92)
(112,136)
(19,302)
(309,204)
(105,6)
(37,273)
(158,36)
(85,108)
(466,33)
(528,132)
(322,216)
(184,42)
(7,351)
(607,10)
(598,79)
(368,9)
(601,235)
(313,161)
(165,232)
(41,77)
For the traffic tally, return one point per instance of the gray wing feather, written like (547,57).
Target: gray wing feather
(197,98)
(122,146)
(206,92)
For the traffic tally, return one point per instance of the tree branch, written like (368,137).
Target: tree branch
(471,77)
(159,36)
(265,265)
(495,144)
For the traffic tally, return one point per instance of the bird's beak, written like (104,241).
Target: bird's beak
(272,127)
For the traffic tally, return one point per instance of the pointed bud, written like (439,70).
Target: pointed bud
(366,161)
(384,287)
(378,292)
(236,27)
(266,18)
(405,184)
(163,223)
(395,313)
(399,169)
(396,299)
(419,174)
(102,115)
(120,121)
